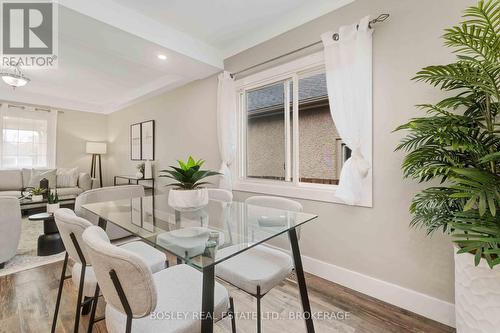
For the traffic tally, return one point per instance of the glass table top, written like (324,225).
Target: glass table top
(203,237)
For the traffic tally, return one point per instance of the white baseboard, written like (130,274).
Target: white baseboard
(408,299)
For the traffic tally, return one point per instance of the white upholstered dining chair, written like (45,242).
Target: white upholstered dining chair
(71,228)
(102,194)
(134,295)
(261,268)
(220,194)
(10,228)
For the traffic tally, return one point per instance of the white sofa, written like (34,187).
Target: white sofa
(12,182)
(10,228)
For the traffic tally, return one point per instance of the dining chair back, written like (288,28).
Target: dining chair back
(110,193)
(10,228)
(71,228)
(125,279)
(220,194)
(275,202)
(69,223)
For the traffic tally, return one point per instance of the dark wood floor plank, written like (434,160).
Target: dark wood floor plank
(27,302)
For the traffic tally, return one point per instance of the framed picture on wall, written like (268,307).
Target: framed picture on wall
(147,135)
(142,141)
(135,142)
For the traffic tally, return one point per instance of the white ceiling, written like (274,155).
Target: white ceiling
(233,25)
(108,48)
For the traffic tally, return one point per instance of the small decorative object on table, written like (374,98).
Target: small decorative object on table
(188,193)
(37,194)
(53,202)
(44,184)
(140,170)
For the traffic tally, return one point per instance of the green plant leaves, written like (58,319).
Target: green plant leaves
(457,142)
(479,187)
(188,175)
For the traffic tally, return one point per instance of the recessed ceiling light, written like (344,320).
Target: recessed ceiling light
(162,57)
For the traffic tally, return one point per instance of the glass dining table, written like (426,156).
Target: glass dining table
(195,237)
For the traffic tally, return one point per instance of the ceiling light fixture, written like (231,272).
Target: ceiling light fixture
(15,79)
(162,57)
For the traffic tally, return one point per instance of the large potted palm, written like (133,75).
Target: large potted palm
(456,147)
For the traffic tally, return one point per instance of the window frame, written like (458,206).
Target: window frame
(29,112)
(292,72)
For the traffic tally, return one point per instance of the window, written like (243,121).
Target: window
(288,141)
(267,123)
(28,137)
(319,152)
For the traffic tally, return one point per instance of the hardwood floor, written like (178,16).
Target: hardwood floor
(27,302)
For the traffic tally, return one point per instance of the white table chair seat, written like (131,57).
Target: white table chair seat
(186,244)
(179,292)
(154,258)
(260,266)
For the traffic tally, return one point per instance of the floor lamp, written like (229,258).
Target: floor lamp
(96,149)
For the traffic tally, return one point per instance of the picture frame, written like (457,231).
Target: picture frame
(142,141)
(135,142)
(147,140)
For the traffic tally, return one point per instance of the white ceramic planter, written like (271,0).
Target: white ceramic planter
(37,197)
(51,208)
(188,200)
(477,296)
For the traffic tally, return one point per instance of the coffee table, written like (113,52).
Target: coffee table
(27,203)
(50,242)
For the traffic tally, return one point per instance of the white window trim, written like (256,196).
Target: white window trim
(295,189)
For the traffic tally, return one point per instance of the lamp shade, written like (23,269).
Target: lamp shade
(96,148)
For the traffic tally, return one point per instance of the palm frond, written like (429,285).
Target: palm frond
(457,142)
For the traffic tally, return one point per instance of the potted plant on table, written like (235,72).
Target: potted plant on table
(188,192)
(458,145)
(53,202)
(37,194)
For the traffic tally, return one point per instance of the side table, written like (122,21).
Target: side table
(50,242)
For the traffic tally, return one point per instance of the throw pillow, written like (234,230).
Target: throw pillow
(67,177)
(38,175)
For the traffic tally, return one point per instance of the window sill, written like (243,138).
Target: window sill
(316,192)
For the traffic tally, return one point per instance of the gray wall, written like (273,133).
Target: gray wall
(377,241)
(74,129)
(185,121)
(372,241)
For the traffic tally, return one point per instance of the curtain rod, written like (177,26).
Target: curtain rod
(24,107)
(335,36)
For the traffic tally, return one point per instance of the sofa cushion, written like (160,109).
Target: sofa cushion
(10,180)
(67,177)
(16,194)
(26,176)
(38,174)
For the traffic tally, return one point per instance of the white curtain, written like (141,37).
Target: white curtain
(226,127)
(348,63)
(29,137)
